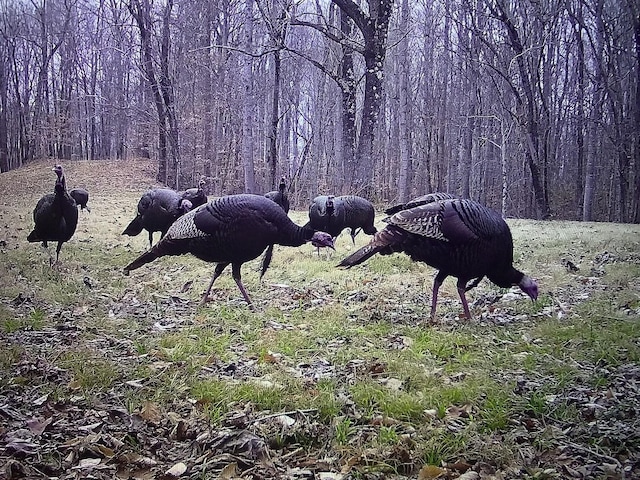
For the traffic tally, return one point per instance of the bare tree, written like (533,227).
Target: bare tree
(248,101)
(161,86)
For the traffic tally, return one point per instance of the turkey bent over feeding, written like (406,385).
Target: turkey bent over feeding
(459,237)
(231,230)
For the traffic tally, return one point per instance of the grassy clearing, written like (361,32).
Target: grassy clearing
(346,354)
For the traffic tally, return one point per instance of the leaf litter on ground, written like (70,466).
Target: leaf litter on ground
(94,386)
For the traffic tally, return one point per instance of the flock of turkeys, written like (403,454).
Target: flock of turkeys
(459,237)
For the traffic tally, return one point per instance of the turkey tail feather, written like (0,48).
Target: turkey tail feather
(361,255)
(134,228)
(143,259)
(266,260)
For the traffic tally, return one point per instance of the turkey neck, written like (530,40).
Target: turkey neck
(506,279)
(294,236)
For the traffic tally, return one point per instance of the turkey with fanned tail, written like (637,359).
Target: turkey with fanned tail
(231,230)
(422,200)
(458,237)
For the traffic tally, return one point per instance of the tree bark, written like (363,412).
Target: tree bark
(248,104)
(374,27)
(4,86)
(535,151)
(404,113)
(140,9)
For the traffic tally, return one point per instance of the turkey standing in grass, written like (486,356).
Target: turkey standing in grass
(358,214)
(461,238)
(282,199)
(157,210)
(231,230)
(280,196)
(327,213)
(55,216)
(81,196)
(195,195)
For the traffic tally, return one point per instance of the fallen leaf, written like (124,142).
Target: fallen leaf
(229,472)
(177,470)
(429,472)
(41,400)
(88,463)
(470,475)
(37,426)
(150,412)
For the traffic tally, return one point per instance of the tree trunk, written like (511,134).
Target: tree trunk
(248,105)
(404,113)
(272,154)
(140,11)
(4,86)
(535,151)
(374,27)
(348,106)
(168,99)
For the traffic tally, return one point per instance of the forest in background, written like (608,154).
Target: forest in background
(531,107)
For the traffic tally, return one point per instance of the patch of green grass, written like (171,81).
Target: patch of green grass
(372,399)
(440,445)
(218,396)
(343,430)
(88,371)
(388,435)
(495,411)
(195,345)
(9,355)
(595,336)
(11,323)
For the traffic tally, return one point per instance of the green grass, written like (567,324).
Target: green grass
(377,384)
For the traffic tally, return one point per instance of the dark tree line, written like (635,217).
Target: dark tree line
(531,107)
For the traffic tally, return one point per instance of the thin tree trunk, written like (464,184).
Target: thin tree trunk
(404,113)
(272,154)
(140,11)
(248,106)
(4,86)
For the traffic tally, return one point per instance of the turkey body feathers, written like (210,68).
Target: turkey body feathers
(327,213)
(358,213)
(461,238)
(230,230)
(81,196)
(55,216)
(422,200)
(157,210)
(280,196)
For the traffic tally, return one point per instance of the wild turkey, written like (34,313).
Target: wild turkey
(55,216)
(327,213)
(231,230)
(81,196)
(422,200)
(458,237)
(358,214)
(157,210)
(280,196)
(196,195)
